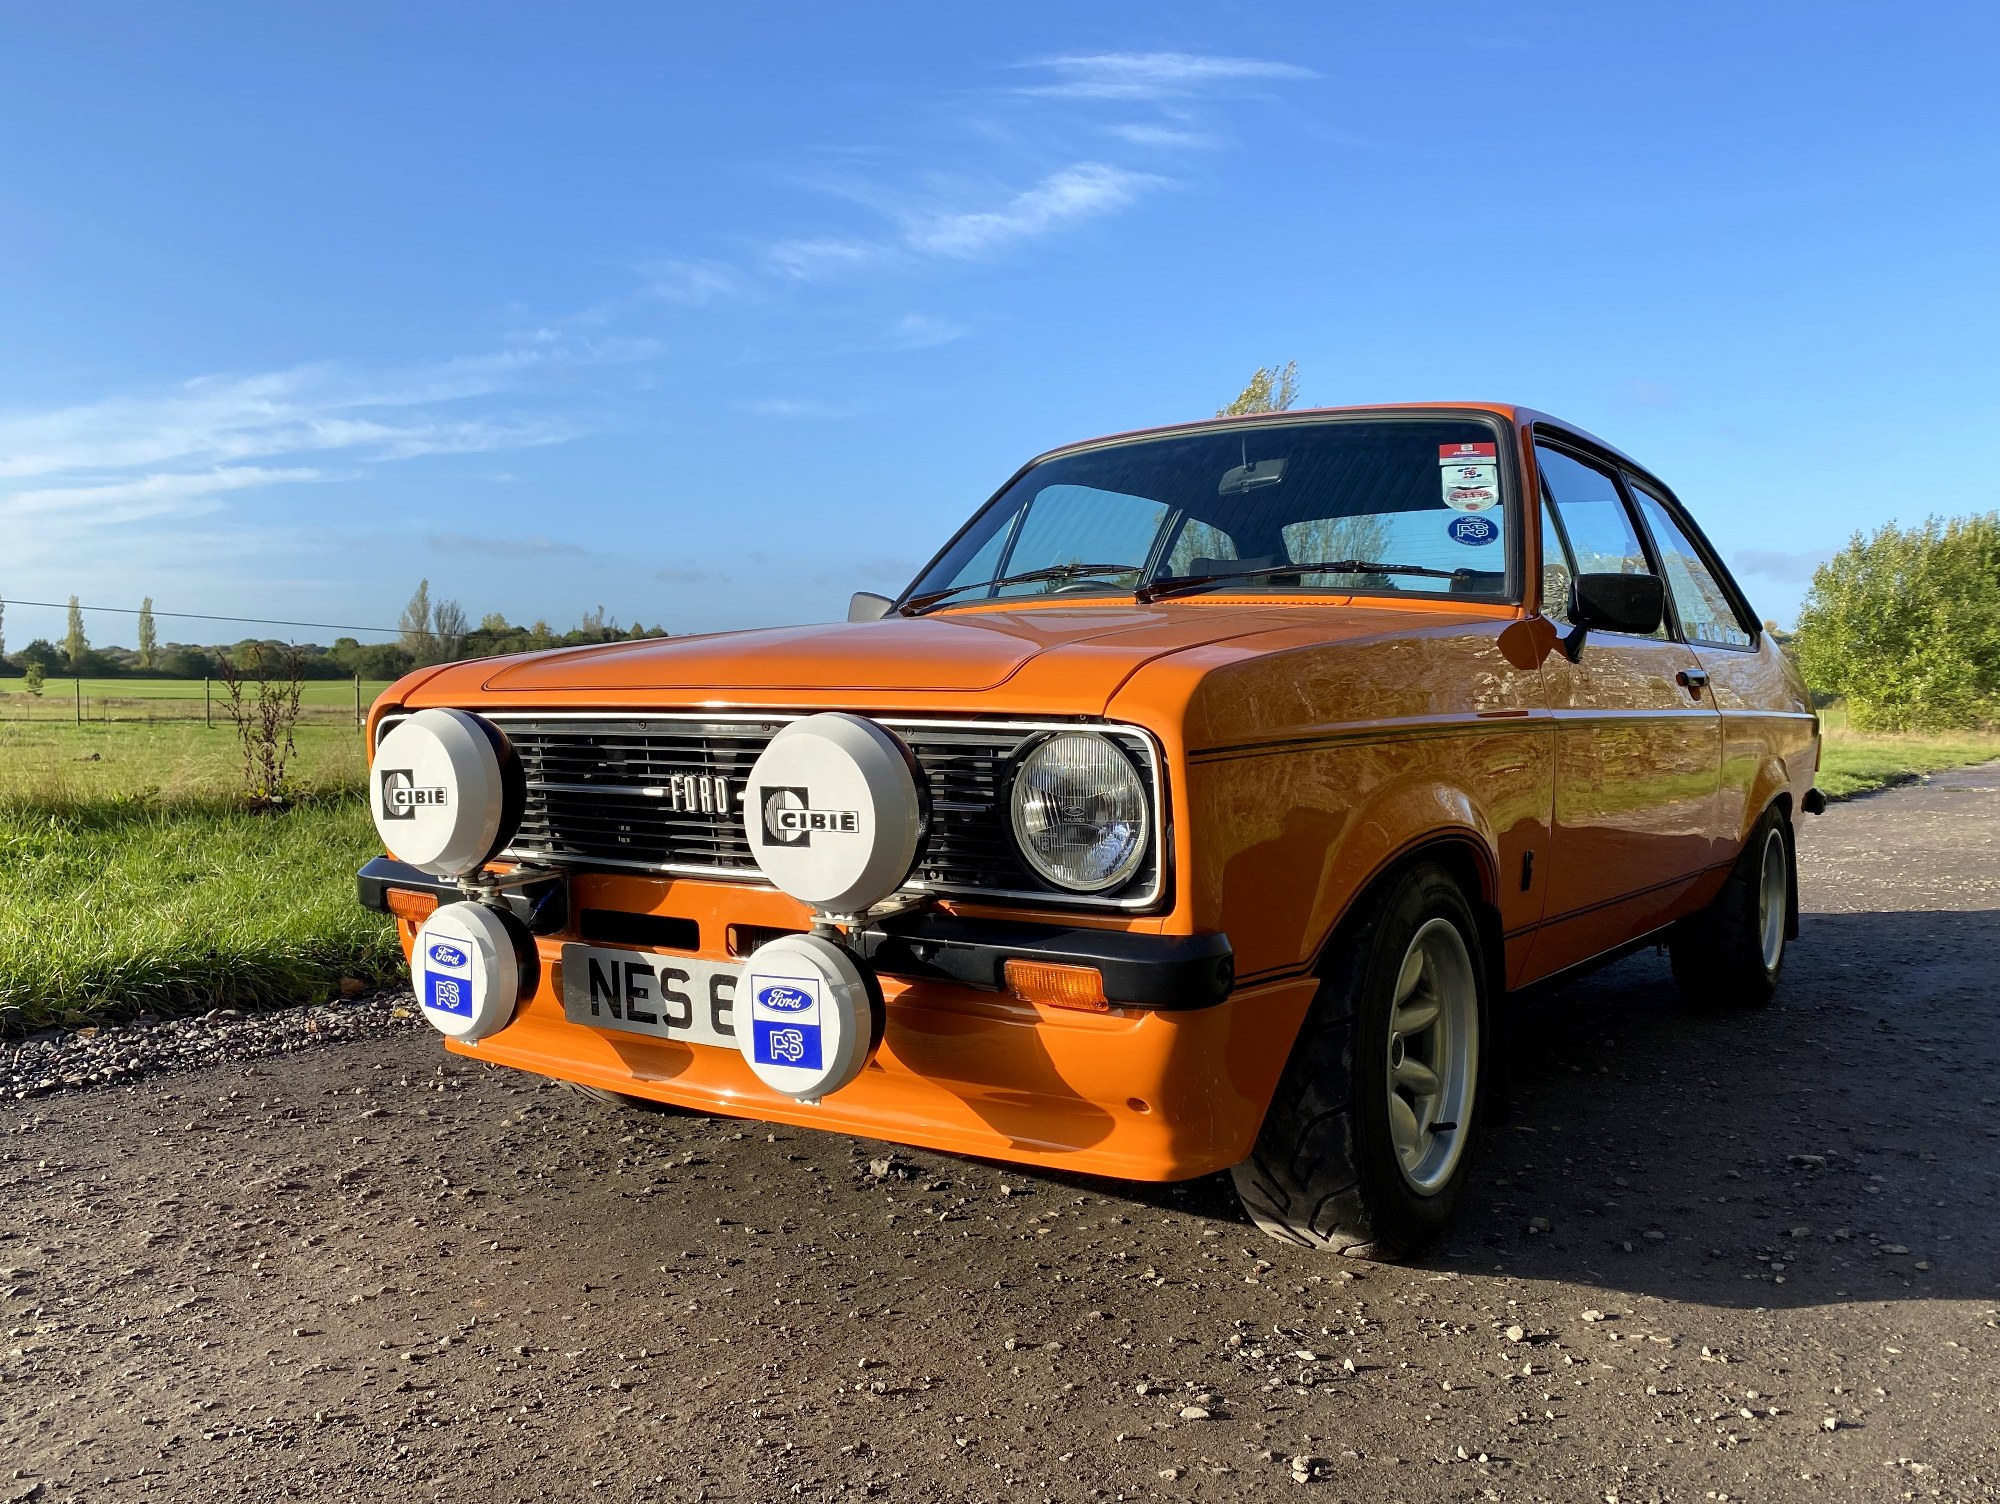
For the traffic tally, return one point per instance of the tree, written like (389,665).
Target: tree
(149,644)
(449,626)
(418,639)
(1906,624)
(1272,389)
(37,677)
(75,644)
(3,628)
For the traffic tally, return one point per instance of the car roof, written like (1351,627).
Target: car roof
(1514,413)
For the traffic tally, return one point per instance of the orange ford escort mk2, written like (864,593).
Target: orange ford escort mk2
(1200,806)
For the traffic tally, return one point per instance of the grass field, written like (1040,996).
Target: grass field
(1858,762)
(132,880)
(320,700)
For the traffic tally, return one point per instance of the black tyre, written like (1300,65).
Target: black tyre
(1730,954)
(605,1097)
(1365,1146)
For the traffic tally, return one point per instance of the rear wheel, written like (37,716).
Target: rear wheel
(1730,954)
(1364,1148)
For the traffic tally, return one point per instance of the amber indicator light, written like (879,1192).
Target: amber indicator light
(411,904)
(1079,987)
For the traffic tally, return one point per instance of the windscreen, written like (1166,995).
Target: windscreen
(1346,506)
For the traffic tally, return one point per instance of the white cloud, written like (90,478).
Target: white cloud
(795,407)
(693,283)
(1162,137)
(922,331)
(1083,191)
(932,232)
(810,260)
(1152,75)
(149,495)
(80,469)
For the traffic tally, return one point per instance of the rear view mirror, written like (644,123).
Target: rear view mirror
(1634,603)
(1249,475)
(866,605)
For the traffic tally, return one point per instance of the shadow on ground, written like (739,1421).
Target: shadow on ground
(1773,1158)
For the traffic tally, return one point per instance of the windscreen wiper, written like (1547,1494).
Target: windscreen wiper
(916,605)
(1173,585)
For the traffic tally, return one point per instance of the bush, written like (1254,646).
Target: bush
(1906,625)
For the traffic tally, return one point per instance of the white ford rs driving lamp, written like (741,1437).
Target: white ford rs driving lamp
(446,792)
(471,965)
(835,817)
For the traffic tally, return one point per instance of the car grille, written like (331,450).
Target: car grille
(586,808)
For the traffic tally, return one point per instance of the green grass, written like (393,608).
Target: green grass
(133,880)
(1858,762)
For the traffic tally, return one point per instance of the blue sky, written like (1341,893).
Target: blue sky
(712,315)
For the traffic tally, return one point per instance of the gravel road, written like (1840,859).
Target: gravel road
(1744,1257)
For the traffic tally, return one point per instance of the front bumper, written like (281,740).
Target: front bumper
(1165,972)
(1171,1083)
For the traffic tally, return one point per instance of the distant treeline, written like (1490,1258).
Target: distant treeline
(429,634)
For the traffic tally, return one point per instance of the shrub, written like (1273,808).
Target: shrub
(1906,625)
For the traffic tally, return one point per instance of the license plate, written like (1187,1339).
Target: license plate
(641,992)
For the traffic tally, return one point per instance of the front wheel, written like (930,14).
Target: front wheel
(1730,954)
(1365,1145)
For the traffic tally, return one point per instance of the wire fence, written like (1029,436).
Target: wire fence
(171,701)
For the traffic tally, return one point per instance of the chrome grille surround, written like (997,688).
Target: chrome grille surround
(601,783)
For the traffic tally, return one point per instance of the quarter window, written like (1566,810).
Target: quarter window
(1556,573)
(1704,607)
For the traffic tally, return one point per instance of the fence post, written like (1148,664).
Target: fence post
(357,702)
(207,708)
(79,699)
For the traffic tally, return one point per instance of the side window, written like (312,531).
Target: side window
(1556,571)
(1602,539)
(1703,606)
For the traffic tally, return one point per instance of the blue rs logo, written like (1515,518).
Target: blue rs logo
(448,955)
(784,999)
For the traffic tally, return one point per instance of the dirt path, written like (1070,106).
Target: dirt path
(1750,1257)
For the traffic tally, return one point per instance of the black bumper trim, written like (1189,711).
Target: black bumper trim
(1166,972)
(543,905)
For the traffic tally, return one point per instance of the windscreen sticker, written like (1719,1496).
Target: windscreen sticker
(1474,532)
(1470,474)
(1468,454)
(1472,488)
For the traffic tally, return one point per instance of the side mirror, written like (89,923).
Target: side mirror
(1634,603)
(868,606)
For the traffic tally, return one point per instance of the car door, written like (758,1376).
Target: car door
(1748,687)
(1638,739)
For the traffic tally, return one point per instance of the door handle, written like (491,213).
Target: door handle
(1693,680)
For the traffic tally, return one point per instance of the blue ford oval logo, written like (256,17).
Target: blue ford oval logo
(447,955)
(785,999)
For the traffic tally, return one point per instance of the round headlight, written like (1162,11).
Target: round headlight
(1080,812)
